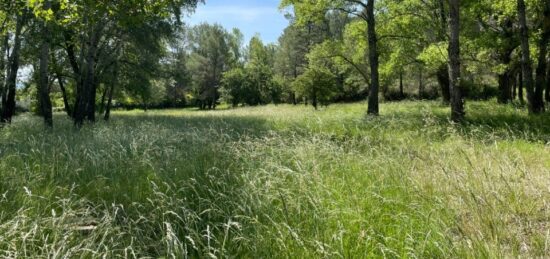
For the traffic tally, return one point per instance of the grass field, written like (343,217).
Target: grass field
(279,181)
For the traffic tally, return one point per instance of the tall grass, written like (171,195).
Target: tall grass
(279,181)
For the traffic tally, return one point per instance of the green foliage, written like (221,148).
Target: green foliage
(317,85)
(254,83)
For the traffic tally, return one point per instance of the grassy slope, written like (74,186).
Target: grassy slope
(279,182)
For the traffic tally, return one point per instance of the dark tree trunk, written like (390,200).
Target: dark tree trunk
(43,83)
(442,73)
(3,55)
(504,86)
(548,85)
(373,59)
(520,87)
(314,101)
(421,83)
(443,81)
(457,100)
(109,103)
(401,88)
(514,87)
(111,94)
(59,77)
(540,82)
(68,109)
(526,57)
(8,100)
(103,99)
(85,105)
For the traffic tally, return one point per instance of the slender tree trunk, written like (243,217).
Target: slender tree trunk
(548,85)
(520,87)
(8,101)
(457,100)
(514,87)
(109,103)
(68,109)
(526,57)
(314,101)
(111,93)
(103,99)
(443,71)
(373,108)
(540,82)
(43,83)
(3,56)
(420,82)
(401,88)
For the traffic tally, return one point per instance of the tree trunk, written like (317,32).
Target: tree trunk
(443,81)
(457,100)
(373,108)
(86,95)
(548,85)
(421,83)
(3,55)
(514,87)
(68,109)
(520,87)
(540,82)
(504,86)
(111,93)
(43,83)
(314,101)
(109,103)
(103,99)
(401,88)
(8,100)
(526,57)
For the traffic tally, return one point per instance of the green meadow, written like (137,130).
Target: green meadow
(279,182)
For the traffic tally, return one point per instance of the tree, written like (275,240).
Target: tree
(457,99)
(210,58)
(253,83)
(92,37)
(19,13)
(541,71)
(318,85)
(44,101)
(313,10)
(526,57)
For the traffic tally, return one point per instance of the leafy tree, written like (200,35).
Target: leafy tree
(210,58)
(317,85)
(314,10)
(16,15)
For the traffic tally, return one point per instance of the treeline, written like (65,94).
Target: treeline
(86,52)
(449,49)
(88,57)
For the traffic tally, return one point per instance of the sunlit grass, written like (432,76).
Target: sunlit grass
(279,181)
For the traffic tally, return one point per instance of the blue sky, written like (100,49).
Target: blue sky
(250,16)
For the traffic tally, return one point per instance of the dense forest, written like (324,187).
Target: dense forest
(367,129)
(138,55)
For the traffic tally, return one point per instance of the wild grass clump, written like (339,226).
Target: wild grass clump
(279,181)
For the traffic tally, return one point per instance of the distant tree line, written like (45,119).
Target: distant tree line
(90,56)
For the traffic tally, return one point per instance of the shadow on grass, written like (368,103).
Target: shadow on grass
(484,121)
(234,126)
